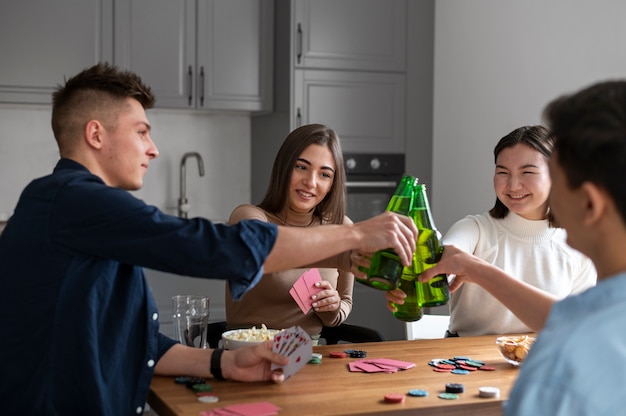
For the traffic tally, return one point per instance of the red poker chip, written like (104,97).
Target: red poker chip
(467,367)
(446,366)
(442,370)
(487,368)
(394,398)
(337,354)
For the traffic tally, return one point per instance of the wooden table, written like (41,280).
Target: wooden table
(331,389)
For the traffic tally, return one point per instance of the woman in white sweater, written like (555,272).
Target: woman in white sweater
(518,236)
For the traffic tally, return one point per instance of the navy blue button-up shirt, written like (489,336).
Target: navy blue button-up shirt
(79,324)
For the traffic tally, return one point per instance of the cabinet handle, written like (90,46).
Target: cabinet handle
(298,118)
(202,86)
(190,76)
(299,44)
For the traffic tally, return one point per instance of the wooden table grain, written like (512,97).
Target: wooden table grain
(331,389)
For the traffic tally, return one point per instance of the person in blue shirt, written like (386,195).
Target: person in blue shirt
(576,365)
(80,327)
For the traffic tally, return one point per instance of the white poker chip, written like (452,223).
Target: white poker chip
(488,392)
(316,355)
(208,399)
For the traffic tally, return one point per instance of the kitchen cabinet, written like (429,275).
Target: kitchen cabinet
(43,42)
(200,54)
(350,34)
(365,108)
(341,63)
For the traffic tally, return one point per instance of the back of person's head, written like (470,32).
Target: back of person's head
(98,92)
(590,131)
(535,137)
(332,208)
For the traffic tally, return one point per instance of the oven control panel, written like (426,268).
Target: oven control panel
(372,164)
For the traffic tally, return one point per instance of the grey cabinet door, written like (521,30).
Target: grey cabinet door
(43,42)
(235,50)
(367,109)
(200,54)
(156,39)
(365,35)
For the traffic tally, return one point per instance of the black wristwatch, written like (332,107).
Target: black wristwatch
(216,364)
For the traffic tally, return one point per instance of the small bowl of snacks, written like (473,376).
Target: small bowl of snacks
(514,349)
(237,338)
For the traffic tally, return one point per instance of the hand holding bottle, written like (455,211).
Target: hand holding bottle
(389,230)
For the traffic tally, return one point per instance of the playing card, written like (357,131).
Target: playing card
(376,365)
(303,306)
(296,344)
(304,288)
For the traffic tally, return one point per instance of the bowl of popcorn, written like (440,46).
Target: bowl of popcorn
(237,338)
(514,349)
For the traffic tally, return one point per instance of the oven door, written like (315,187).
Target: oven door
(367,198)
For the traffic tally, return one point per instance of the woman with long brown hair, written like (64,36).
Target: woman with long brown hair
(306,189)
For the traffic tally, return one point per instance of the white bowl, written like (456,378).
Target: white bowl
(237,338)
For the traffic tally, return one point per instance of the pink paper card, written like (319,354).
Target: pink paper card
(304,288)
(403,365)
(311,277)
(294,294)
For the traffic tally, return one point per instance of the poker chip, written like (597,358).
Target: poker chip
(455,388)
(337,354)
(358,354)
(202,387)
(488,392)
(467,367)
(459,371)
(208,399)
(418,393)
(487,368)
(315,360)
(442,370)
(394,398)
(448,396)
(190,381)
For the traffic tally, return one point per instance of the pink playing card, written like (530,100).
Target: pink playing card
(304,288)
(294,294)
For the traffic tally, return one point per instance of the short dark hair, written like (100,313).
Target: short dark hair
(590,131)
(536,137)
(96,91)
(332,208)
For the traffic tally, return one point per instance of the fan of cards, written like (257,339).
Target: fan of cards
(296,344)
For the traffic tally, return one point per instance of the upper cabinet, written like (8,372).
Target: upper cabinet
(366,35)
(43,42)
(202,54)
(348,63)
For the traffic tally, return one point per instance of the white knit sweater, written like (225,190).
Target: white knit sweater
(528,250)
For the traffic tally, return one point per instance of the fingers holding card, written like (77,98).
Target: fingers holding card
(296,344)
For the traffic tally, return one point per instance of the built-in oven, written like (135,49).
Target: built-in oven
(371,180)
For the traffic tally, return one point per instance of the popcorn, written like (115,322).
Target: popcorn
(253,334)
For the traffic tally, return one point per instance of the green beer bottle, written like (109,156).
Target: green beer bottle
(428,252)
(385,269)
(410,310)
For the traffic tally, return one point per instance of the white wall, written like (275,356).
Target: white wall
(28,150)
(497,63)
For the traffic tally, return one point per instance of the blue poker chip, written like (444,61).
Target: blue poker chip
(418,393)
(459,371)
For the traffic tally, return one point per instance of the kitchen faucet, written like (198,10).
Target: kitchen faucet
(183,204)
